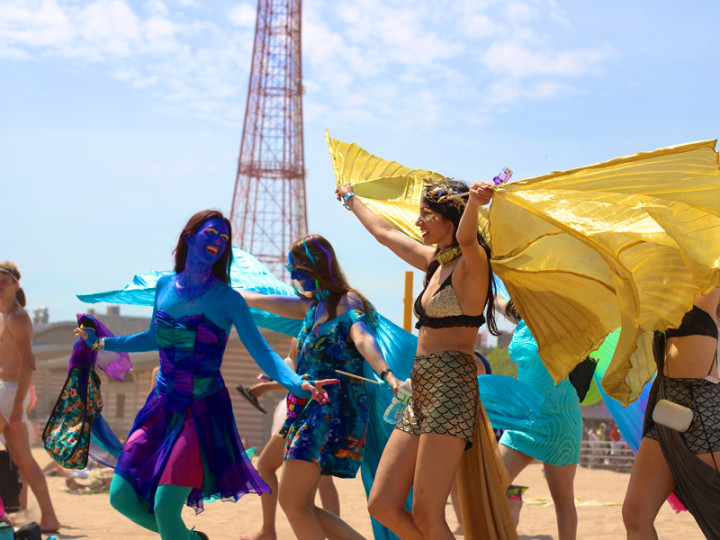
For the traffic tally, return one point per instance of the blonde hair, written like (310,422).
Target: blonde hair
(10,268)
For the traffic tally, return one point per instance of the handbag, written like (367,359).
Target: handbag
(31,531)
(672,415)
(10,485)
(66,436)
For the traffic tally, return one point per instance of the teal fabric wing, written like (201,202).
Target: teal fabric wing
(247,273)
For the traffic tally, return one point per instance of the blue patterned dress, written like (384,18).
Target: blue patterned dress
(332,435)
(556,434)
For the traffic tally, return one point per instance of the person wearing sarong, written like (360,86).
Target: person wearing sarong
(444,416)
(184,447)
(684,463)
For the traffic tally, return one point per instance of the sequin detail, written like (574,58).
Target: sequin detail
(705,407)
(443,309)
(445,397)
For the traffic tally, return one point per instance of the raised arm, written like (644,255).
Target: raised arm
(406,248)
(292,307)
(472,273)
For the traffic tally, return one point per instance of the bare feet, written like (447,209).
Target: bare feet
(49,527)
(72,484)
(260,536)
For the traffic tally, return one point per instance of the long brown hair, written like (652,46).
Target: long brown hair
(436,198)
(322,265)
(222,267)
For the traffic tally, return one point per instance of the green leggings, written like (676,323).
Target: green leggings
(166,518)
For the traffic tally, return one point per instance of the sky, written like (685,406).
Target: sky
(120,119)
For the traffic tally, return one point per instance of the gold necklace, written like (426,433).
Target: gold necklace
(445,257)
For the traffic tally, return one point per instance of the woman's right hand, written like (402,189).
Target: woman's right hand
(317,392)
(393,383)
(481,193)
(343,190)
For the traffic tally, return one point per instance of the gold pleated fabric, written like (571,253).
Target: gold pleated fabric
(481,480)
(625,243)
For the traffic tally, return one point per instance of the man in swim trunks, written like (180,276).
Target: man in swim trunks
(16,366)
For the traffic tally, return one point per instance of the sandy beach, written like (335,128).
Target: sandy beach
(599,495)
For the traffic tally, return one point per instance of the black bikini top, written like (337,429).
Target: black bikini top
(443,309)
(696,322)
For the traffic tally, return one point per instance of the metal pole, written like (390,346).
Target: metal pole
(408,301)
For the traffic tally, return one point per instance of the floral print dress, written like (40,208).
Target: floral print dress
(331,435)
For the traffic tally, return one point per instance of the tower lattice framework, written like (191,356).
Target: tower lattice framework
(269,204)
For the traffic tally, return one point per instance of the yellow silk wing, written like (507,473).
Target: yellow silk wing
(386,187)
(624,243)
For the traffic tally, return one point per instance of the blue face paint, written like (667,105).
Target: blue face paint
(306,282)
(208,244)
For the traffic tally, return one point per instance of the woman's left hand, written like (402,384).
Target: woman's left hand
(481,192)
(318,393)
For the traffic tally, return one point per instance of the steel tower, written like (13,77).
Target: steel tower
(269,204)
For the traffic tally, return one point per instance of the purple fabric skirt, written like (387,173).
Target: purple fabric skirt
(197,446)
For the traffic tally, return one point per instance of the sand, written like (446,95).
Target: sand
(599,494)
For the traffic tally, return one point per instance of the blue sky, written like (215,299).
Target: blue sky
(119,119)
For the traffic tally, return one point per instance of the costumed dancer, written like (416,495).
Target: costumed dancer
(325,439)
(445,415)
(686,462)
(271,458)
(557,432)
(184,446)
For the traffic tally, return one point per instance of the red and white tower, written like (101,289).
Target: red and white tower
(269,205)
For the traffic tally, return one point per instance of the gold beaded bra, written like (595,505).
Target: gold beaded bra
(443,309)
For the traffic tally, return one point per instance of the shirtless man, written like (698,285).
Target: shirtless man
(16,366)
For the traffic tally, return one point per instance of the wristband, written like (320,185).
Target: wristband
(99,344)
(384,373)
(346,198)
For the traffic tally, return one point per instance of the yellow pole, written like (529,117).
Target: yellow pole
(407,301)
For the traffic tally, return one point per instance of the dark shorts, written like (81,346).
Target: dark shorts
(445,396)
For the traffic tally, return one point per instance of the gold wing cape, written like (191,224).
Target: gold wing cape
(625,243)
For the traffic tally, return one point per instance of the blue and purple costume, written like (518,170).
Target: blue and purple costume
(185,434)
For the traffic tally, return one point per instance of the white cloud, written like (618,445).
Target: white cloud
(520,61)
(430,62)
(242,15)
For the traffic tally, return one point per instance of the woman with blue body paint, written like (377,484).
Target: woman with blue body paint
(325,439)
(184,446)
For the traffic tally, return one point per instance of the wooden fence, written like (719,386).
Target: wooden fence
(615,456)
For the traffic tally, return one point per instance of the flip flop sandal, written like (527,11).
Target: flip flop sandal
(245,391)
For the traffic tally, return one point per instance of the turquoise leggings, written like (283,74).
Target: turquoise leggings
(166,519)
